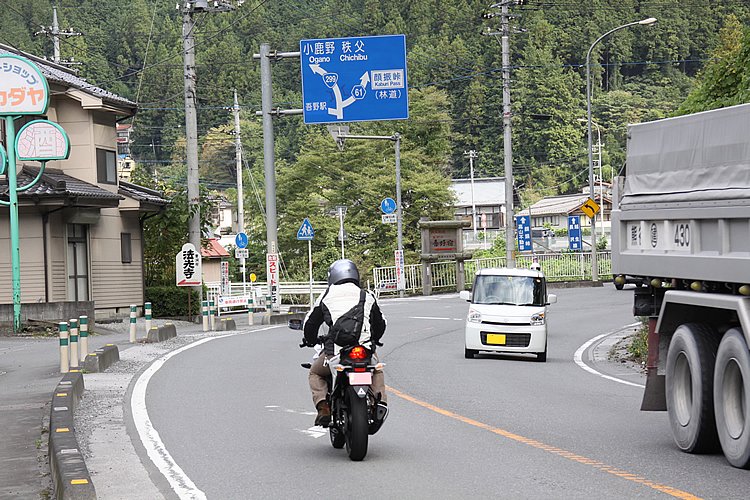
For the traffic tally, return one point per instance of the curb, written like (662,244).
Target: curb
(227,324)
(280,319)
(70,476)
(101,359)
(162,333)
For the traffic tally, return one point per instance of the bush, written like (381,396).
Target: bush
(171,301)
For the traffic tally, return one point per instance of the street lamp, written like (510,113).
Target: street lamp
(645,22)
(599,164)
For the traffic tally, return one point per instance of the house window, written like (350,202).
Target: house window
(106,167)
(126,250)
(78,263)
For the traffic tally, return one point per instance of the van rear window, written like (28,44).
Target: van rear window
(512,290)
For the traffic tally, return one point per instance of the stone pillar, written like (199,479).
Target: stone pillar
(460,275)
(426,277)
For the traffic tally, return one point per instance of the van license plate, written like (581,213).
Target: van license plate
(362,378)
(496,338)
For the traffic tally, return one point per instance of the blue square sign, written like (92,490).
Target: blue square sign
(354,79)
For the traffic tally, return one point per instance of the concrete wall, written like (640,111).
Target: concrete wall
(47,311)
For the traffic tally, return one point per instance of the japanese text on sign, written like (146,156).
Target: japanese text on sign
(574,233)
(442,240)
(23,89)
(523,227)
(188,266)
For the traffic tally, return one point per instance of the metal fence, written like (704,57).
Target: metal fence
(556,267)
(291,291)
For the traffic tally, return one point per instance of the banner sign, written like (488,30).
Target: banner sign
(400,274)
(236,301)
(574,232)
(23,88)
(523,228)
(272,271)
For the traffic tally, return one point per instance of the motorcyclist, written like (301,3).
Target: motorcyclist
(342,294)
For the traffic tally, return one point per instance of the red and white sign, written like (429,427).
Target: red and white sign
(272,271)
(23,89)
(237,301)
(225,286)
(188,266)
(400,275)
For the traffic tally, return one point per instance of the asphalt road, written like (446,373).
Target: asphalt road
(235,415)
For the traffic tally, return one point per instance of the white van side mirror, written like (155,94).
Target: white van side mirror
(464,295)
(551,298)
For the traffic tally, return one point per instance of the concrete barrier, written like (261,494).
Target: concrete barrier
(164,332)
(101,359)
(70,476)
(227,324)
(280,319)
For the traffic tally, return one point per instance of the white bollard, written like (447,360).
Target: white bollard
(250,310)
(64,348)
(133,309)
(83,335)
(73,342)
(147,313)
(212,314)
(204,312)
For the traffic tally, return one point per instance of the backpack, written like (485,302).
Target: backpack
(347,329)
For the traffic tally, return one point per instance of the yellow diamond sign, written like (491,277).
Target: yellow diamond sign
(590,208)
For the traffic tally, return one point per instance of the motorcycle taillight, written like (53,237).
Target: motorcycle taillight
(358,353)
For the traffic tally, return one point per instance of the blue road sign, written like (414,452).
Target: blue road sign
(354,79)
(523,228)
(241,240)
(574,232)
(388,206)
(305,231)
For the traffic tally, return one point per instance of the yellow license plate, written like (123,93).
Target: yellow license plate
(496,338)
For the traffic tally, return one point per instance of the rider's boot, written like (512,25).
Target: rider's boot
(324,414)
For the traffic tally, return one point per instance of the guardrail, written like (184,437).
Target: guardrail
(556,267)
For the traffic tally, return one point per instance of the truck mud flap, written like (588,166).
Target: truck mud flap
(654,397)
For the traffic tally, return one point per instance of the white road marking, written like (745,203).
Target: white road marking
(182,485)
(315,431)
(430,317)
(275,408)
(578,358)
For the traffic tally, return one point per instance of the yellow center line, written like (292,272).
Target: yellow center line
(550,449)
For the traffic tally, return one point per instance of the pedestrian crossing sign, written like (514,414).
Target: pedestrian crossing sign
(305,231)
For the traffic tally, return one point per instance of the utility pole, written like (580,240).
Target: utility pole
(55,33)
(507,114)
(267,113)
(472,154)
(191,120)
(240,195)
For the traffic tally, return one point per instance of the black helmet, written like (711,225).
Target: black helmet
(343,271)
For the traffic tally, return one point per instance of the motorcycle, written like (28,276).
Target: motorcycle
(356,412)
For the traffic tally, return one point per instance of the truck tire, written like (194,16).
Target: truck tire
(732,398)
(689,387)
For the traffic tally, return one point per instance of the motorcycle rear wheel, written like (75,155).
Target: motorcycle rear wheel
(358,431)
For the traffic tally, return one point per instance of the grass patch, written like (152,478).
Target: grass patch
(638,347)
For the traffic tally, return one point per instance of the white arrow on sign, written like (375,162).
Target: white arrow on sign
(338,111)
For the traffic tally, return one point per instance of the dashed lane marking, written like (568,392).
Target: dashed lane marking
(549,449)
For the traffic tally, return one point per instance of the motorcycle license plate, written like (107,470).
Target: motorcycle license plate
(496,338)
(363,378)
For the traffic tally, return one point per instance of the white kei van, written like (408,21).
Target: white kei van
(508,312)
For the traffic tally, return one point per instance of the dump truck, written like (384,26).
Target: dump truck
(681,231)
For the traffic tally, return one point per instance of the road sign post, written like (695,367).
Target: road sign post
(354,79)
(307,233)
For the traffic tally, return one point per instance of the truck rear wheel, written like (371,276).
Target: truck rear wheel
(689,387)
(732,398)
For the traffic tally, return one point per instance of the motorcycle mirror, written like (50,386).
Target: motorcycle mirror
(295,324)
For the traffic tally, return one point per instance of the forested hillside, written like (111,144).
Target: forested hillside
(641,73)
